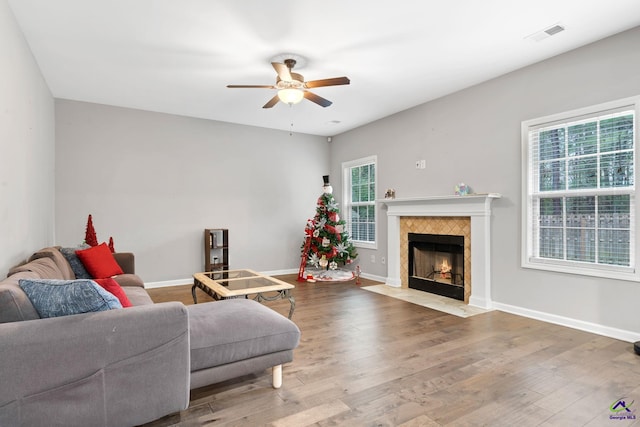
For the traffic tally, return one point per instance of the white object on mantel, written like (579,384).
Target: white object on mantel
(475,206)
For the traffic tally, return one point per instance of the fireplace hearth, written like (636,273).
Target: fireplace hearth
(436,264)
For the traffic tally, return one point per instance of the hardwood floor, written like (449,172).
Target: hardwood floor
(370,360)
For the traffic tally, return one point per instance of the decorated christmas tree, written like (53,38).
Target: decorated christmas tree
(327,244)
(90,234)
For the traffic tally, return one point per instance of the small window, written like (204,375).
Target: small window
(359,194)
(579,174)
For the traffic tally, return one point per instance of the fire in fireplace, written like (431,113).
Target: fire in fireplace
(436,264)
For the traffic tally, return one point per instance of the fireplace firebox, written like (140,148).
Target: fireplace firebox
(436,264)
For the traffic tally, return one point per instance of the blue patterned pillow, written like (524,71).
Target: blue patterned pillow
(55,298)
(76,265)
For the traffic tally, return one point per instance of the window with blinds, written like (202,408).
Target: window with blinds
(580,191)
(359,193)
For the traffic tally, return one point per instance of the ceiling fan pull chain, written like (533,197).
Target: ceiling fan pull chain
(291,124)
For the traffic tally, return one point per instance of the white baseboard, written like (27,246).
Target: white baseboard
(480,302)
(373,277)
(279,272)
(595,328)
(166,283)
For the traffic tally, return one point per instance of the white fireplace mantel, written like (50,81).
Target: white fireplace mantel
(475,206)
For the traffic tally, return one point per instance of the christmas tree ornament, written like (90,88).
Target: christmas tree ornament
(325,242)
(342,249)
(333,253)
(326,188)
(323,261)
(314,260)
(333,265)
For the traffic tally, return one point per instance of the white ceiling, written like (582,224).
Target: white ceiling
(178,56)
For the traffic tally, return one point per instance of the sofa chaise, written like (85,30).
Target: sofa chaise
(128,366)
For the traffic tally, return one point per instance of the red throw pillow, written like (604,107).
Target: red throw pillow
(114,288)
(99,261)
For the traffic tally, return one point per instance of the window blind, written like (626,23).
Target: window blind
(580,190)
(360,196)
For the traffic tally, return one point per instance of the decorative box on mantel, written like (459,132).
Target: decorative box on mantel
(474,207)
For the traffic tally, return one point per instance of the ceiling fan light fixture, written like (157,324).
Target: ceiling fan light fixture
(290,96)
(292,88)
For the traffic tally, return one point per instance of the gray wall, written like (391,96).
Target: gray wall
(474,136)
(26,149)
(155,181)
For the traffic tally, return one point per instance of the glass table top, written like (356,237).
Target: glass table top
(230,274)
(240,282)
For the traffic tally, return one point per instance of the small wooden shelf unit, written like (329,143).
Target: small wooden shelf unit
(216,249)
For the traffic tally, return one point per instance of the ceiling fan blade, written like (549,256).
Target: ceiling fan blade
(336,81)
(251,86)
(317,99)
(273,101)
(283,71)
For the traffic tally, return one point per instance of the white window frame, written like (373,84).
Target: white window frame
(530,186)
(346,197)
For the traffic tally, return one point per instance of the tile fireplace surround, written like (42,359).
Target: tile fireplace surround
(475,207)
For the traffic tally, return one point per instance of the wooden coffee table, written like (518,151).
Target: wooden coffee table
(226,284)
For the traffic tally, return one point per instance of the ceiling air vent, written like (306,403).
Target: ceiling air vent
(547,32)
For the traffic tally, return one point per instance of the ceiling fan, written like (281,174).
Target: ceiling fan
(292,88)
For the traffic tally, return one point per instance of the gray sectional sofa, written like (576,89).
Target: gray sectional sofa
(128,366)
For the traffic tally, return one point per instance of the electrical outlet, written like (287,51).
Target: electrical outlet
(417,164)
(373,259)
(383,260)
